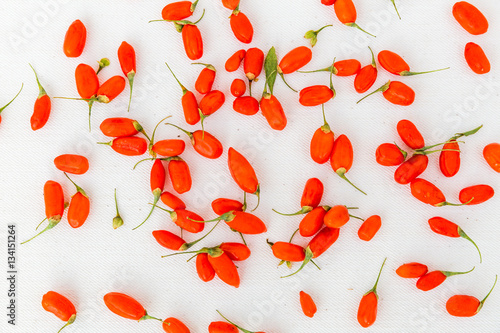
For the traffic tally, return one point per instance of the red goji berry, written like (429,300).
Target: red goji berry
(389,154)
(475,195)
(189,103)
(180,175)
(395,64)
(411,169)
(41,110)
(341,68)
(312,223)
(312,194)
(110,89)
(170,240)
(322,142)
(60,306)
(395,92)
(412,270)
(222,206)
(236,251)
(87,84)
(128,145)
(222,327)
(119,127)
(204,143)
(346,13)
(337,216)
(174,325)
(126,307)
(367,310)
(252,65)
(54,205)
(491,154)
(172,201)
(477,59)
(205,79)
(466,306)
(288,251)
(170,148)
(210,103)
(295,60)
(242,222)
(323,240)
(203,267)
(231,4)
(429,193)
(246,105)
(74,41)
(273,112)
(233,63)
(126,56)
(179,10)
(238,87)
(243,173)
(193,42)
(410,135)
(185,220)
(366,76)
(79,207)
(470,18)
(342,158)
(316,95)
(75,164)
(369,228)
(157,181)
(449,161)
(225,269)
(433,279)
(307,304)
(447,228)
(241,26)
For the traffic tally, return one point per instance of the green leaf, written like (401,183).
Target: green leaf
(270,66)
(471,132)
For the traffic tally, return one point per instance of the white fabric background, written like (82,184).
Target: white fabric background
(86,263)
